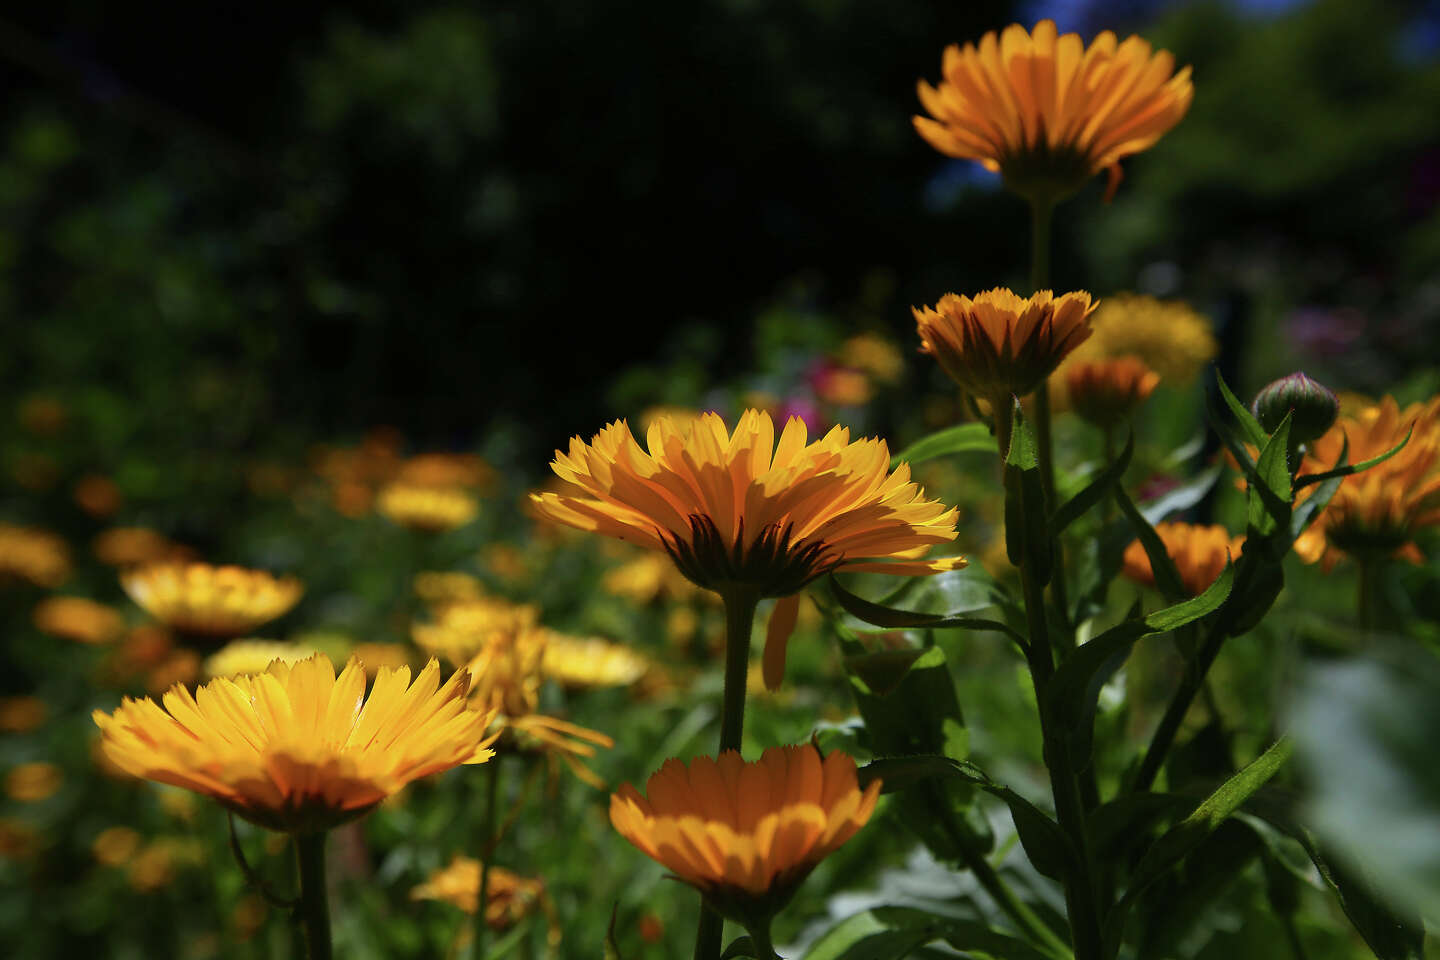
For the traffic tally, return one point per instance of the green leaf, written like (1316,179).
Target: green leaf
(742,947)
(1347,470)
(1024,453)
(1075,687)
(1250,428)
(1028,542)
(1189,833)
(1270,493)
(876,935)
(892,619)
(1167,577)
(972,936)
(965,438)
(1182,497)
(1076,507)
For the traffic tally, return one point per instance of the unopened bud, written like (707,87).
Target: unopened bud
(1312,407)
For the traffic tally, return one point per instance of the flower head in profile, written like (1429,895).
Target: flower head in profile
(510,897)
(296,748)
(200,599)
(1168,336)
(79,619)
(37,556)
(132,546)
(1000,344)
(1107,392)
(746,834)
(1200,553)
(1047,112)
(425,508)
(578,662)
(1380,510)
(462,629)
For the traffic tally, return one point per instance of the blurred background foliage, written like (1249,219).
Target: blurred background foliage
(236,233)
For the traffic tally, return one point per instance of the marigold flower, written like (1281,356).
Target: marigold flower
(1168,336)
(746,834)
(240,657)
(1000,344)
(33,782)
(463,629)
(440,587)
(296,748)
(1046,112)
(874,355)
(210,601)
(591,662)
(78,619)
(509,899)
(430,509)
(645,578)
(1200,553)
(115,845)
(1377,511)
(1107,392)
(34,555)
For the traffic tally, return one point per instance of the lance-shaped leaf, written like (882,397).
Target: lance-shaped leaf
(965,438)
(1270,493)
(1076,507)
(1167,576)
(1250,428)
(1182,497)
(893,619)
(1346,470)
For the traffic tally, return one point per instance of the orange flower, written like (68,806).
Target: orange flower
(1381,509)
(1199,552)
(130,546)
(220,602)
(34,555)
(1046,112)
(1107,392)
(78,619)
(509,899)
(296,748)
(1000,344)
(746,834)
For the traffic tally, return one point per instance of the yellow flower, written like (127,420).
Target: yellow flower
(445,470)
(1107,392)
(33,782)
(1046,112)
(1168,336)
(574,662)
(78,619)
(645,578)
(97,495)
(115,845)
(510,897)
(431,509)
(132,546)
(34,555)
(375,657)
(21,714)
(241,657)
(1000,344)
(440,587)
(874,355)
(463,629)
(1377,511)
(1199,552)
(746,834)
(296,748)
(200,599)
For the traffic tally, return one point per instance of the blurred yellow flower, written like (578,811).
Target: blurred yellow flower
(97,495)
(1200,553)
(1000,344)
(154,867)
(1377,511)
(132,546)
(1168,336)
(509,900)
(506,561)
(78,619)
(253,656)
(115,845)
(375,657)
(200,599)
(35,555)
(461,630)
(575,662)
(647,577)
(844,388)
(746,833)
(1106,392)
(874,355)
(21,714)
(33,782)
(440,587)
(430,509)
(296,748)
(445,470)
(1046,112)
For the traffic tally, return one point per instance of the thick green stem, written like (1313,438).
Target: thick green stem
(1164,736)
(740,603)
(1042,211)
(314,908)
(486,844)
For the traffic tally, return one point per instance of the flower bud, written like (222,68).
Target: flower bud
(1312,406)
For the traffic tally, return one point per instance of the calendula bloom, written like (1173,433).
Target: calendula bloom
(1377,511)
(1168,336)
(33,782)
(741,512)
(210,601)
(438,588)
(874,355)
(78,619)
(296,748)
(35,555)
(133,546)
(431,509)
(114,846)
(462,629)
(241,657)
(1107,392)
(510,897)
(746,834)
(1000,344)
(375,657)
(590,662)
(1047,112)
(646,578)
(1200,553)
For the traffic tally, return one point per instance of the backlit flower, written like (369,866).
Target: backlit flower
(241,657)
(34,555)
(1168,336)
(1379,510)
(296,748)
(219,602)
(1107,392)
(510,897)
(445,470)
(1199,551)
(78,619)
(1000,344)
(746,834)
(431,509)
(462,629)
(590,662)
(114,846)
(440,587)
(33,782)
(1047,112)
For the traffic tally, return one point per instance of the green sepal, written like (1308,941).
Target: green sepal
(1027,540)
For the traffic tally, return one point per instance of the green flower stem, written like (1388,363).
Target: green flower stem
(314,909)
(1365,598)
(486,843)
(740,602)
(1164,736)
